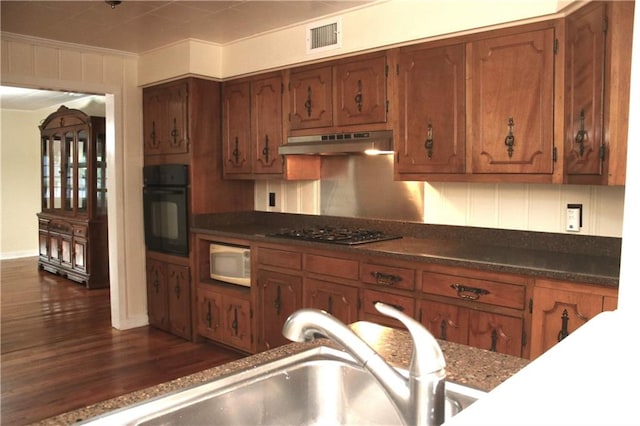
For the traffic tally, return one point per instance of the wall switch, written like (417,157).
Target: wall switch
(574,217)
(272,199)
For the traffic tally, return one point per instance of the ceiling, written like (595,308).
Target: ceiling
(139,26)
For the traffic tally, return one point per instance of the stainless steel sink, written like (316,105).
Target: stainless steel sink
(321,385)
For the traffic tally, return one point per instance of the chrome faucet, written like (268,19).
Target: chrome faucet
(420,397)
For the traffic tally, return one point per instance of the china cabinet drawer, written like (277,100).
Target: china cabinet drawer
(388,276)
(80,231)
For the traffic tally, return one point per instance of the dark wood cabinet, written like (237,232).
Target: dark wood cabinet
(559,308)
(310,98)
(597,75)
(236,119)
(431,109)
(510,117)
(168,297)
(339,300)
(72,225)
(165,120)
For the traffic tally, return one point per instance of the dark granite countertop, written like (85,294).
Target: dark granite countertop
(565,257)
(474,367)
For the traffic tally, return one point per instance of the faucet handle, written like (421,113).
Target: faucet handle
(427,355)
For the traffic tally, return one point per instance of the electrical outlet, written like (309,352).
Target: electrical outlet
(574,217)
(272,199)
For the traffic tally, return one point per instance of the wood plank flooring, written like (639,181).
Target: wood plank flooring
(59,351)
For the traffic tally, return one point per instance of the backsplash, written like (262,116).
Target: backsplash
(524,207)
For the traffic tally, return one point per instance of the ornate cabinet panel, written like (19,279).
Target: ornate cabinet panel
(72,225)
(431,102)
(209,311)
(280,296)
(510,114)
(495,332)
(168,300)
(339,300)
(445,321)
(165,121)
(310,94)
(236,125)
(157,294)
(361,91)
(266,124)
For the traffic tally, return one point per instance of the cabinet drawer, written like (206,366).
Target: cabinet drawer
(333,266)
(404,304)
(281,258)
(473,289)
(388,276)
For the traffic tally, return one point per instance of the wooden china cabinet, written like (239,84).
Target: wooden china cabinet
(73,240)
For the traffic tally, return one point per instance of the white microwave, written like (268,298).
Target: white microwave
(230,264)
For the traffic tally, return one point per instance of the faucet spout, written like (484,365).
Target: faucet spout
(418,398)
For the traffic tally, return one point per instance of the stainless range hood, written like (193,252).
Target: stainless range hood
(375,142)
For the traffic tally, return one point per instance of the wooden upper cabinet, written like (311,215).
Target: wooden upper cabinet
(236,125)
(361,91)
(510,103)
(584,90)
(310,98)
(431,102)
(266,120)
(165,120)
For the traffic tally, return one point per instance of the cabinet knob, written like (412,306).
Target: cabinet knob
(428,144)
(510,140)
(582,136)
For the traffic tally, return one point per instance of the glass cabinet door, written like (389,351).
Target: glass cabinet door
(101,175)
(69,178)
(46,174)
(56,169)
(83,146)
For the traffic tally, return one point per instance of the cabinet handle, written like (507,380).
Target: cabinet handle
(234,324)
(510,140)
(330,305)
(358,97)
(208,316)
(443,330)
(236,152)
(176,290)
(307,103)
(386,279)
(153,134)
(469,293)
(398,307)
(428,144)
(582,135)
(174,133)
(156,282)
(564,329)
(277,303)
(494,340)
(265,150)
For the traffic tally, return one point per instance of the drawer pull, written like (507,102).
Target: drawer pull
(386,279)
(398,307)
(469,293)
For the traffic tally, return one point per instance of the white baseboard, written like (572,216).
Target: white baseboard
(18,254)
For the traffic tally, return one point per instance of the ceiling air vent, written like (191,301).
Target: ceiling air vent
(324,35)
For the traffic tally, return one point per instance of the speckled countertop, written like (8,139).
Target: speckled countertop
(566,257)
(475,367)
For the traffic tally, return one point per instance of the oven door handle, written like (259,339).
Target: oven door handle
(165,190)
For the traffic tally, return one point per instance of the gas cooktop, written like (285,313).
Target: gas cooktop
(336,235)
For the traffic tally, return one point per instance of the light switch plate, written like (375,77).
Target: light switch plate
(574,217)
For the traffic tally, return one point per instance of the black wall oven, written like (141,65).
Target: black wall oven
(166,211)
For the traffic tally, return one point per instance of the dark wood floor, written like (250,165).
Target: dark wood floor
(59,352)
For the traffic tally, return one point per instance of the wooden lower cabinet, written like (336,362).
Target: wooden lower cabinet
(445,321)
(559,308)
(339,300)
(168,297)
(404,304)
(224,315)
(280,295)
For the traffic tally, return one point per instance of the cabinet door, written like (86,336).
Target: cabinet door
(557,313)
(361,91)
(310,92)
(236,329)
(157,302)
(210,314)
(280,296)
(341,301)
(511,113)
(43,244)
(404,304)
(178,296)
(266,124)
(444,321)
(236,127)
(584,90)
(431,92)
(79,254)
(54,247)
(165,119)
(494,332)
